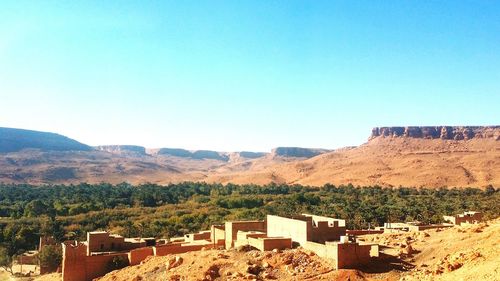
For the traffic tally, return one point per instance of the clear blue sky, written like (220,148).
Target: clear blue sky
(246,75)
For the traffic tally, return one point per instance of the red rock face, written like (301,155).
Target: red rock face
(439,132)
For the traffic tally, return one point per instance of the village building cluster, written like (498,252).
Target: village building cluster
(327,237)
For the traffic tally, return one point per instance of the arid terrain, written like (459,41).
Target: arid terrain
(459,253)
(393,156)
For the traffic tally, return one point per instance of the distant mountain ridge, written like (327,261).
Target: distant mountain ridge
(12,140)
(439,132)
(430,156)
(122,149)
(298,152)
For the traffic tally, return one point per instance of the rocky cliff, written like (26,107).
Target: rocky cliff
(197,154)
(121,149)
(298,152)
(439,132)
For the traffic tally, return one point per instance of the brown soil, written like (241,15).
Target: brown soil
(382,161)
(387,162)
(233,265)
(458,253)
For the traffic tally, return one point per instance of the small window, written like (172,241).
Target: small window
(112,246)
(102,246)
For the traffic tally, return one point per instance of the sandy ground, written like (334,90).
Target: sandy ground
(4,276)
(470,252)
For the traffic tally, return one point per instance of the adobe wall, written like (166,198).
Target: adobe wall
(243,239)
(316,219)
(103,242)
(232,229)
(202,235)
(27,260)
(350,255)
(133,243)
(137,255)
(218,234)
(451,219)
(77,266)
(466,217)
(319,249)
(286,227)
(280,243)
(73,263)
(424,227)
(97,266)
(326,231)
(363,232)
(178,248)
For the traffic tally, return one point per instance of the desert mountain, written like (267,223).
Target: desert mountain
(13,140)
(409,156)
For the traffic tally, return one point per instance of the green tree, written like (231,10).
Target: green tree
(35,208)
(50,256)
(6,260)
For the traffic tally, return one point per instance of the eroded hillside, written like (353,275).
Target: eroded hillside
(393,156)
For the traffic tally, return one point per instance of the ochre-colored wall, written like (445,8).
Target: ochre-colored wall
(137,255)
(177,248)
(232,229)
(218,235)
(364,232)
(350,255)
(324,232)
(73,264)
(276,243)
(286,227)
(108,243)
(97,266)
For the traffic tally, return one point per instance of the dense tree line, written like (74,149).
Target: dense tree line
(68,211)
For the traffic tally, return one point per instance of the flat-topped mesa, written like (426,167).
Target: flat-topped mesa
(120,149)
(439,132)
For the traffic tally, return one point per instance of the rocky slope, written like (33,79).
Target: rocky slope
(458,253)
